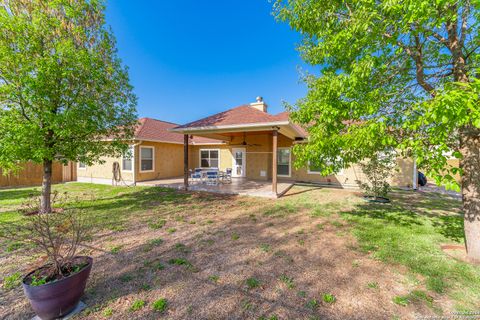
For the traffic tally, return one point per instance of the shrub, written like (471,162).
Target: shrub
(288,281)
(252,283)
(377,170)
(312,304)
(137,305)
(56,235)
(401,300)
(108,312)
(329,298)
(160,305)
(12,281)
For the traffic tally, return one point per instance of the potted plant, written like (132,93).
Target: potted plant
(377,171)
(54,288)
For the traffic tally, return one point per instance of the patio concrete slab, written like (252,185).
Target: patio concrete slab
(239,186)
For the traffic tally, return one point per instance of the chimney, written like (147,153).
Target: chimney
(260,104)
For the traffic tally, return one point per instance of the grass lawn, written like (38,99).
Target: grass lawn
(316,253)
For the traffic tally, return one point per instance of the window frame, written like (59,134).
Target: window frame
(80,167)
(153,158)
(200,158)
(131,149)
(289,162)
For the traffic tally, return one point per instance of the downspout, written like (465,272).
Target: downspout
(415,175)
(135,162)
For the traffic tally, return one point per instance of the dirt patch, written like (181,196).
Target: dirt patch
(225,258)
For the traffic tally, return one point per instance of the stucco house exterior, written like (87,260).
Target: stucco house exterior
(257,145)
(155,153)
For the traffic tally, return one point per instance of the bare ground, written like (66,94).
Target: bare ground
(227,240)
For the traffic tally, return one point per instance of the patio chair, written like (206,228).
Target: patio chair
(196,175)
(212,178)
(227,176)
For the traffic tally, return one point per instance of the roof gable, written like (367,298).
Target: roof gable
(244,114)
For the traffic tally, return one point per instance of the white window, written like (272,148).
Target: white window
(209,158)
(146,159)
(127,160)
(82,165)
(283,162)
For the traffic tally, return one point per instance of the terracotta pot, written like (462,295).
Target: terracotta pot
(56,299)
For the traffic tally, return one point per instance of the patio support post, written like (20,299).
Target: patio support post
(274,161)
(185,161)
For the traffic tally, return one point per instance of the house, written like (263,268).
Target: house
(155,153)
(258,146)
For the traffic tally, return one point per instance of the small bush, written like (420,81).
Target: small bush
(288,281)
(235,236)
(115,249)
(265,247)
(155,242)
(108,312)
(171,230)
(137,305)
(160,305)
(401,300)
(252,283)
(312,304)
(12,281)
(159,266)
(329,298)
(378,169)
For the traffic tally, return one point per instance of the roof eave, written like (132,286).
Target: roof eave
(230,127)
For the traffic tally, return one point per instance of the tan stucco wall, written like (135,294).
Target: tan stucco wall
(103,170)
(259,158)
(168,162)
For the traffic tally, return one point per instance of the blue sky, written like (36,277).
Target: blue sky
(189,59)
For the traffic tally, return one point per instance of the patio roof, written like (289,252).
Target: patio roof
(243,118)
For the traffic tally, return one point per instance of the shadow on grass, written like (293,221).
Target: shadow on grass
(18,193)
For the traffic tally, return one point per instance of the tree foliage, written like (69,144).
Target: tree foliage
(392,74)
(63,89)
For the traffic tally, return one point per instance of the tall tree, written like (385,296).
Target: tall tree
(63,89)
(393,74)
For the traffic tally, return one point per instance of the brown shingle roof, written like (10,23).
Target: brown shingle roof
(243,114)
(157,130)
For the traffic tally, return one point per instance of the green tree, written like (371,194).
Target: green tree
(393,74)
(63,89)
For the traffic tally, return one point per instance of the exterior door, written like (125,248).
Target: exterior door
(67,172)
(239,161)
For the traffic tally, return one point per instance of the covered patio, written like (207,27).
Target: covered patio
(254,146)
(238,186)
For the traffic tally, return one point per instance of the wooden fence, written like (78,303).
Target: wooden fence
(31,175)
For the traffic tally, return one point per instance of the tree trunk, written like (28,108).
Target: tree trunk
(45,203)
(470,164)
